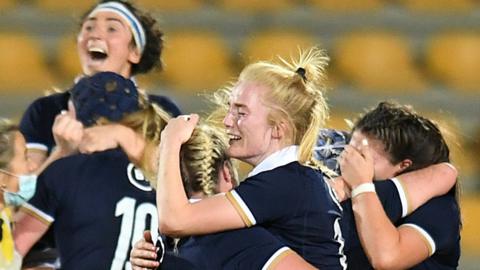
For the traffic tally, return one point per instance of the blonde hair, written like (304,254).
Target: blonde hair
(296,94)
(149,121)
(202,157)
(7,141)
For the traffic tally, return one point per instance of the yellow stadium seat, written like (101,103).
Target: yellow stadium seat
(67,7)
(22,65)
(439,5)
(196,61)
(470,207)
(7,4)
(66,59)
(379,62)
(454,59)
(267,45)
(247,6)
(347,5)
(177,5)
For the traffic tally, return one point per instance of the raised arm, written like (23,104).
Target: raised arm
(67,132)
(420,186)
(176,215)
(386,246)
(104,137)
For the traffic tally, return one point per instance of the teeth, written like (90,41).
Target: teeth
(234,137)
(96,49)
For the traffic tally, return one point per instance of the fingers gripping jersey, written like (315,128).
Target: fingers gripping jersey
(99,205)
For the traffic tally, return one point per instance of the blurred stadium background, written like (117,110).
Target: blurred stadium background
(421,52)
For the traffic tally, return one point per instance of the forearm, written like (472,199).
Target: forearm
(422,185)
(132,143)
(27,231)
(57,153)
(378,235)
(172,202)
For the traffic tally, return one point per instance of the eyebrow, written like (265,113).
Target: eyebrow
(108,19)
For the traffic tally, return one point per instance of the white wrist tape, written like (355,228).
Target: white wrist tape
(363,188)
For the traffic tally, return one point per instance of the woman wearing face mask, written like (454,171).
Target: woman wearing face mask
(16,186)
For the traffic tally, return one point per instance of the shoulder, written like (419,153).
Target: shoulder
(56,100)
(47,105)
(166,103)
(92,162)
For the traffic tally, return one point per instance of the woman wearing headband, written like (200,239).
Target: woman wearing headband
(114,36)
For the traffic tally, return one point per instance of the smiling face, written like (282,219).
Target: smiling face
(383,167)
(105,44)
(247,124)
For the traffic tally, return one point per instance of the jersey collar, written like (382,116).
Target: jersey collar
(282,157)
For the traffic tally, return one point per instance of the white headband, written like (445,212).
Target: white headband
(135,26)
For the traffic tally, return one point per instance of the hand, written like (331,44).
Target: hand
(67,132)
(179,129)
(100,138)
(356,165)
(144,255)
(342,191)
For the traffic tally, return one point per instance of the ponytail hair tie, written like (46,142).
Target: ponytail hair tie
(301,71)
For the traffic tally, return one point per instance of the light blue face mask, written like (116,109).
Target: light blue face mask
(26,189)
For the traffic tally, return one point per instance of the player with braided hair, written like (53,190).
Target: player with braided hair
(116,36)
(274,114)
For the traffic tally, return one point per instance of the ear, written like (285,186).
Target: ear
(279,130)
(403,165)
(134,55)
(225,181)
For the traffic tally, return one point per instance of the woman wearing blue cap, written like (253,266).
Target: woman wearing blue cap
(114,36)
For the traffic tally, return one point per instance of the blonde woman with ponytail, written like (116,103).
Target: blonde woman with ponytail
(273,114)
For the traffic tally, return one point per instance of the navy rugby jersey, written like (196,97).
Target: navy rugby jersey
(438,221)
(248,248)
(98,204)
(37,121)
(442,237)
(296,205)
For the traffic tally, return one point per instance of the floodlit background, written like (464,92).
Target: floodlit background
(420,52)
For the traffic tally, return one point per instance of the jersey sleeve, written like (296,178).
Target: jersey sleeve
(438,235)
(37,121)
(262,199)
(391,199)
(45,202)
